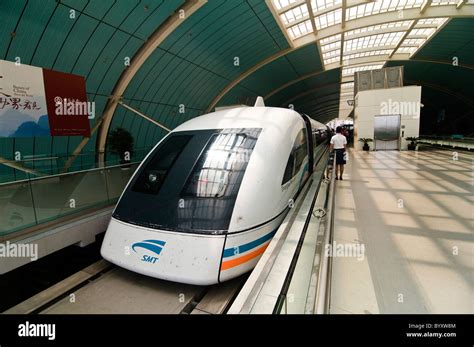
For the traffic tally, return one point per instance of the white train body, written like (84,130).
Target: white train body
(207,200)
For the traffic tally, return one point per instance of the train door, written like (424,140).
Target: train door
(309,133)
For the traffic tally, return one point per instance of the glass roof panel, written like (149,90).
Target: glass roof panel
(355,46)
(381,6)
(319,5)
(443,2)
(295,14)
(279,4)
(328,19)
(348,71)
(300,29)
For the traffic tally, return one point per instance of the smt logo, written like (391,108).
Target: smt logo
(154,246)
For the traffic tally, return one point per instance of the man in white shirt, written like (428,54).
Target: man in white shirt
(338,143)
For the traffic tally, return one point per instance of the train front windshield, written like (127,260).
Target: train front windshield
(190,182)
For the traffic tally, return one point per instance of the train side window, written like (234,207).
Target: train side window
(297,155)
(289,170)
(154,171)
(300,149)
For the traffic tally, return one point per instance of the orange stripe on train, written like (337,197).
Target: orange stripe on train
(243,259)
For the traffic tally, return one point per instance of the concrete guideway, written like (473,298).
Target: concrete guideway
(103,288)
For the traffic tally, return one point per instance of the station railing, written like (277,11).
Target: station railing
(293,275)
(33,201)
(34,166)
(448,141)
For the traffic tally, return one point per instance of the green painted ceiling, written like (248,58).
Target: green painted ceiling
(294,65)
(194,64)
(89,38)
(456,39)
(444,68)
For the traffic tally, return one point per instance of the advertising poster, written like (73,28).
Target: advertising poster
(23,111)
(66,101)
(40,102)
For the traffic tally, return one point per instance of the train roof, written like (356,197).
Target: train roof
(242,117)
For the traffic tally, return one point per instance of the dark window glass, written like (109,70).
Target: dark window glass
(154,172)
(190,183)
(297,155)
(301,150)
(290,166)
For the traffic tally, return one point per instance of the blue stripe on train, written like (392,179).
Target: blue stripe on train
(230,252)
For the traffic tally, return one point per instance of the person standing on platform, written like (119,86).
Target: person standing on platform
(338,144)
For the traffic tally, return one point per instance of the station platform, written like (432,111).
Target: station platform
(411,213)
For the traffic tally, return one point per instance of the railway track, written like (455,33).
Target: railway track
(103,288)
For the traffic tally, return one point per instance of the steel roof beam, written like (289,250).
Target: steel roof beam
(103,124)
(425,5)
(403,38)
(286,85)
(389,17)
(298,21)
(461,3)
(343,25)
(162,33)
(310,10)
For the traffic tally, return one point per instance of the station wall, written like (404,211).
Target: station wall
(405,101)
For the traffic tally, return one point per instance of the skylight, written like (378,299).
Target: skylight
(319,5)
(349,57)
(369,29)
(328,19)
(347,85)
(421,32)
(377,41)
(280,4)
(431,21)
(328,39)
(354,36)
(300,29)
(348,71)
(380,6)
(331,49)
(295,14)
(443,2)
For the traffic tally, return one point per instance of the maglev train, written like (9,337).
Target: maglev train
(206,201)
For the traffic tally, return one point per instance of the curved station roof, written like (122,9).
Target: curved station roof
(173,60)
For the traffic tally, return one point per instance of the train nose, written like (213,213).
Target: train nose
(174,256)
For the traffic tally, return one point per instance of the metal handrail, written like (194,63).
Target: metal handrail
(323,291)
(65,156)
(445,138)
(250,293)
(291,270)
(68,174)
